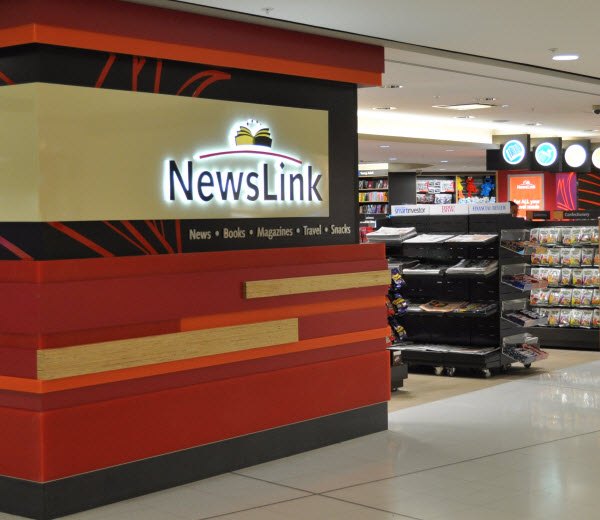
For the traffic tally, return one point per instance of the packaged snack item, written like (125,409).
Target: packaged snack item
(565,318)
(554,236)
(575,319)
(575,236)
(536,259)
(596,297)
(534,236)
(575,257)
(586,235)
(544,273)
(595,278)
(554,256)
(565,257)
(397,280)
(576,297)
(554,317)
(596,320)
(586,297)
(534,296)
(544,296)
(398,330)
(577,279)
(390,307)
(554,276)
(543,311)
(400,305)
(587,277)
(587,256)
(536,273)
(587,318)
(595,235)
(554,297)
(566,237)
(566,276)
(565,297)
(596,256)
(543,236)
(545,258)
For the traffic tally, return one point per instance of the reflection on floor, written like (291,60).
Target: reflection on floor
(523,446)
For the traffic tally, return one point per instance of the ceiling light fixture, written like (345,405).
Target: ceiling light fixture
(533,124)
(443,161)
(392,86)
(449,150)
(384,108)
(384,146)
(465,106)
(563,56)
(504,106)
(464,117)
(393,158)
(501,121)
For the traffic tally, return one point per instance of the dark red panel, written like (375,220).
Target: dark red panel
(94,436)
(20,444)
(151,23)
(18,362)
(342,322)
(19,308)
(108,391)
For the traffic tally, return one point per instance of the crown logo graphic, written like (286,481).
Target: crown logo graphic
(261,138)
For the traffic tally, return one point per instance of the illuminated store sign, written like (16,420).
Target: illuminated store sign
(513,152)
(265,175)
(575,155)
(596,158)
(546,154)
(527,191)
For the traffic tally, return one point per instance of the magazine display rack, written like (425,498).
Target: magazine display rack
(453,316)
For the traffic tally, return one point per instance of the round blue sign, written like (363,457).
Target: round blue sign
(546,154)
(513,152)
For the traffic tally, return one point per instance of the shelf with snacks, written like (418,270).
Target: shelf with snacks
(562,306)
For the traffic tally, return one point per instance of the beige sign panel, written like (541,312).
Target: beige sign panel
(75,153)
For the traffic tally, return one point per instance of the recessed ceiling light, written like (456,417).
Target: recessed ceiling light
(501,121)
(565,57)
(465,106)
(449,150)
(464,117)
(384,146)
(393,159)
(384,108)
(504,106)
(442,169)
(590,130)
(443,161)
(391,86)
(533,124)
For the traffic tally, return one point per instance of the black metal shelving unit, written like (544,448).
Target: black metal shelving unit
(472,341)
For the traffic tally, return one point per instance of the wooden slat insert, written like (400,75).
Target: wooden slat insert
(116,355)
(312,284)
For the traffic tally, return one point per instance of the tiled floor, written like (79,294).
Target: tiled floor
(524,447)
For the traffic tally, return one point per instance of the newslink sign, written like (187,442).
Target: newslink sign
(266,175)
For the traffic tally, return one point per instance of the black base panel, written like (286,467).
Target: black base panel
(477,361)
(567,338)
(79,493)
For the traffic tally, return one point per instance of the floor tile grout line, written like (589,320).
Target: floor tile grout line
(275,483)
(257,507)
(455,463)
(368,507)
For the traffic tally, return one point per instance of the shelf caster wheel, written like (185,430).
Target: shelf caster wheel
(527,365)
(505,368)
(486,372)
(394,389)
(450,371)
(438,371)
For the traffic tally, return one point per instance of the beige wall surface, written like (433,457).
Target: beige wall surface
(75,153)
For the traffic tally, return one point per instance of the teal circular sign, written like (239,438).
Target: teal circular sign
(546,154)
(513,152)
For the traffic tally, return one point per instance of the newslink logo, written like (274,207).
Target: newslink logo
(264,176)
(513,152)
(526,185)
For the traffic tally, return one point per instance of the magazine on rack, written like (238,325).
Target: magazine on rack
(477,267)
(391,234)
(428,239)
(436,347)
(473,239)
(441,306)
(426,268)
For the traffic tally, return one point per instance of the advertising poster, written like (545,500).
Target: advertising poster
(527,190)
